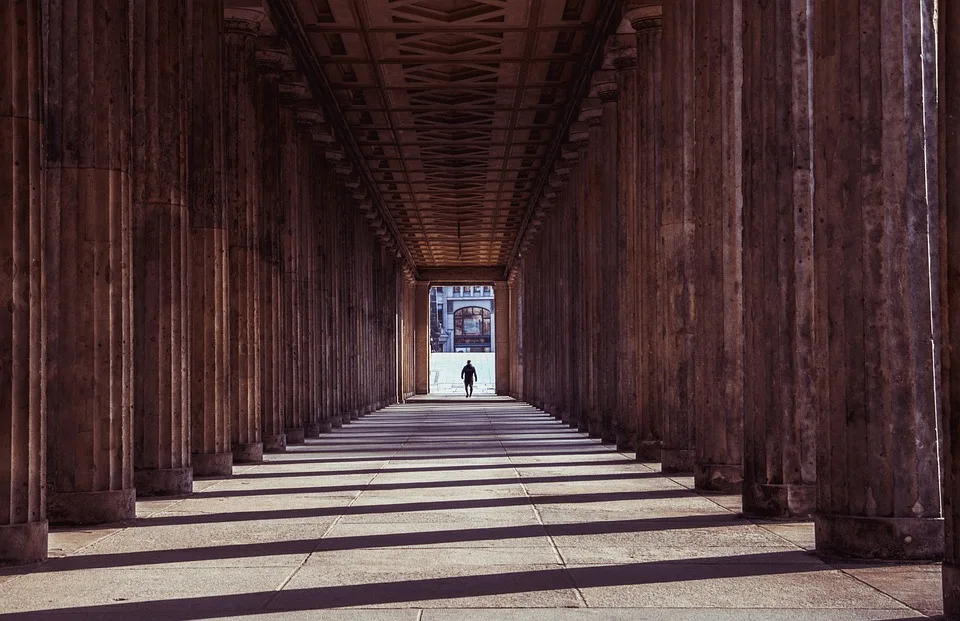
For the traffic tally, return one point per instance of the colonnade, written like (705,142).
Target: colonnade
(193,273)
(773,299)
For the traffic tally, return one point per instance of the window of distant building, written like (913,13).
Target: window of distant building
(456,291)
(486,291)
(471,321)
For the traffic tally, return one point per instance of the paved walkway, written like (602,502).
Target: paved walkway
(454,511)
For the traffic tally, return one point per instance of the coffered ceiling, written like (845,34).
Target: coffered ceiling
(454,106)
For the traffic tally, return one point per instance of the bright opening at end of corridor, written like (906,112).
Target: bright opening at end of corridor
(462,330)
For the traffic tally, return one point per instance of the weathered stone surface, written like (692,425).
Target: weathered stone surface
(23,522)
(267,92)
(779,385)
(208,262)
(875,221)
(88,263)
(717,246)
(161,302)
(950,278)
(675,346)
(242,212)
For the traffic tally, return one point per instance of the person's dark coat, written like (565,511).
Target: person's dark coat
(468,374)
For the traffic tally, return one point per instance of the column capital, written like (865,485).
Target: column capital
(644,15)
(621,51)
(272,56)
(579,134)
(603,86)
(294,91)
(591,111)
(243,20)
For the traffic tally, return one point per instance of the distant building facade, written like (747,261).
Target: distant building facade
(462,318)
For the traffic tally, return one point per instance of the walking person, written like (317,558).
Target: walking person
(468,374)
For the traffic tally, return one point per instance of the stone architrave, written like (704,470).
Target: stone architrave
(87,263)
(718,246)
(208,261)
(675,343)
(161,311)
(876,309)
(242,206)
(950,264)
(779,415)
(23,511)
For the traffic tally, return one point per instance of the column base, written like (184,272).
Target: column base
(311,430)
(295,435)
(951,590)
(76,508)
(163,482)
(723,478)
(355,415)
(677,461)
(250,453)
(212,464)
(889,539)
(22,544)
(326,426)
(274,443)
(625,442)
(780,501)
(649,451)
(336,422)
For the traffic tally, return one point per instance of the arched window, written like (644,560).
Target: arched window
(471,321)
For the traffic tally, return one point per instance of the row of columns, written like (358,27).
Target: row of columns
(770,287)
(194,275)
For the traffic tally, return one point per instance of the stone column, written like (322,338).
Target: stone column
(675,390)
(588,207)
(605,88)
(422,338)
(161,312)
(23,512)
(87,263)
(269,63)
(310,332)
(501,302)
(949,28)
(718,246)
(646,18)
(628,283)
(779,415)
(209,325)
(290,270)
(242,206)
(875,214)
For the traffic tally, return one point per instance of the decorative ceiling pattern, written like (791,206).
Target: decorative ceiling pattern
(454,105)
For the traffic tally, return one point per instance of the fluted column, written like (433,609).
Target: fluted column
(675,343)
(23,512)
(209,325)
(290,218)
(718,248)
(875,217)
(242,206)
(422,338)
(628,284)
(269,64)
(950,261)
(646,18)
(161,312)
(779,415)
(504,336)
(88,258)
